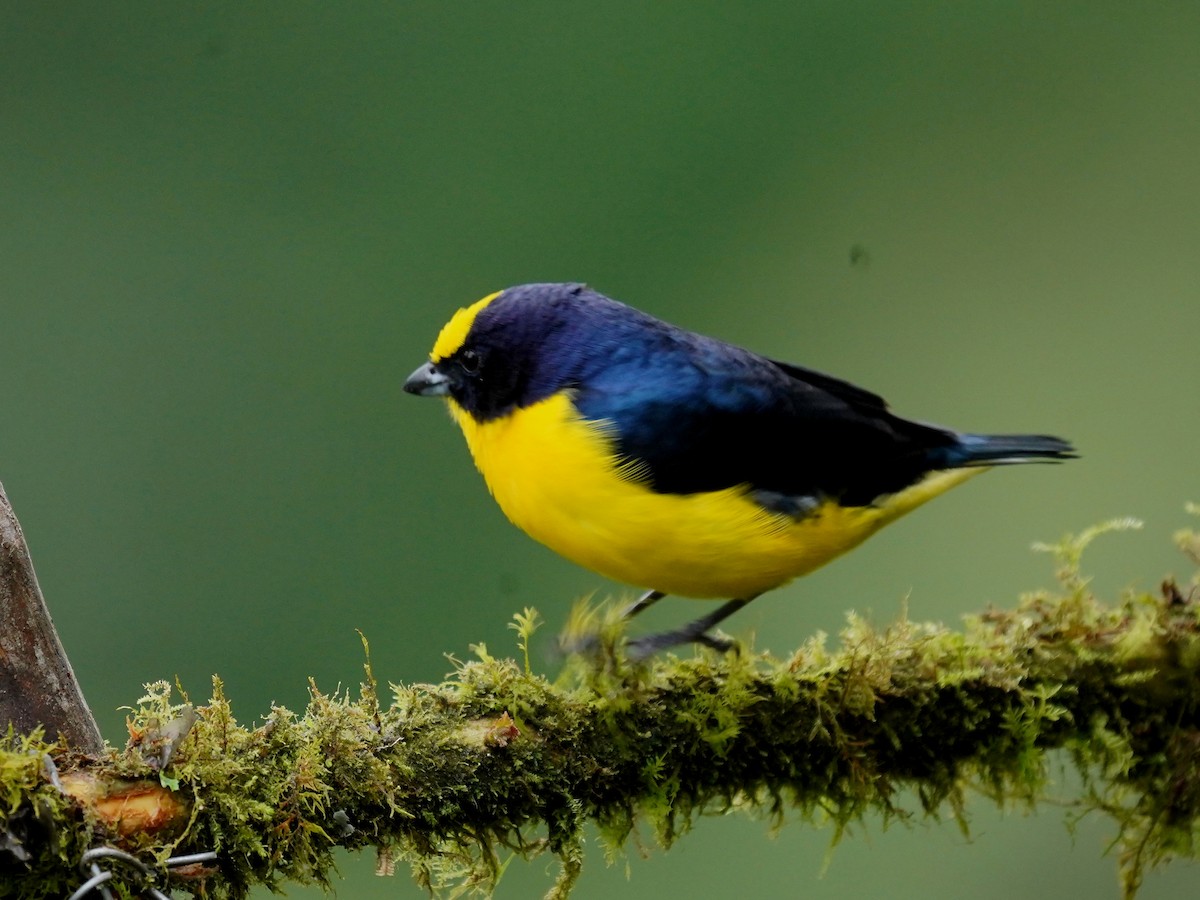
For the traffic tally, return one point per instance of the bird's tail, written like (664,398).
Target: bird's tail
(1002,449)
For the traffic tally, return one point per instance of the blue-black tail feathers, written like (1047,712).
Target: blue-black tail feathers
(1002,449)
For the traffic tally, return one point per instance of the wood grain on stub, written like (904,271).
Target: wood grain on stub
(37,684)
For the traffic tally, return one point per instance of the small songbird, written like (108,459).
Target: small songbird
(676,462)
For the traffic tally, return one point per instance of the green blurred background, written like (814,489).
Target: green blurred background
(228,231)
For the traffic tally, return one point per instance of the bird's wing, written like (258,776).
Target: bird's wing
(852,395)
(706,416)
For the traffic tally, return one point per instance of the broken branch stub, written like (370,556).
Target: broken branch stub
(37,684)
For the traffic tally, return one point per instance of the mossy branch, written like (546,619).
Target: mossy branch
(454,778)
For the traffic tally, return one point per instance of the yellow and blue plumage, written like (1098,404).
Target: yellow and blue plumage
(676,462)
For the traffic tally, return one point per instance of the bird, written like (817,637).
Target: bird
(679,463)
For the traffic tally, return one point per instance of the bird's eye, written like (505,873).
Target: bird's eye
(470,362)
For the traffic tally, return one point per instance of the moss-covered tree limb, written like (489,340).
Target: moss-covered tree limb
(452,778)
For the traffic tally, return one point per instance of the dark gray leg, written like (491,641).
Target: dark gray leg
(643,602)
(588,643)
(694,632)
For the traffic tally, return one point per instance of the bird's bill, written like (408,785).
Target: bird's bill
(427,381)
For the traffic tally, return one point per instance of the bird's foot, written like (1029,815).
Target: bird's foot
(580,644)
(640,649)
(694,632)
(643,648)
(599,639)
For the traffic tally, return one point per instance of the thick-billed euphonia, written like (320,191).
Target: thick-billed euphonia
(677,462)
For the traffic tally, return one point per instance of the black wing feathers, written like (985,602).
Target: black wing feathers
(780,429)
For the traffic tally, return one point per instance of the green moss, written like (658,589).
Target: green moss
(456,779)
(41,835)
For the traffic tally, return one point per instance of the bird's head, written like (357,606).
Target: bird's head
(514,347)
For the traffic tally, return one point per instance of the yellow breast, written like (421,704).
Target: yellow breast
(555,476)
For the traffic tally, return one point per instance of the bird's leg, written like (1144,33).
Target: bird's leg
(588,643)
(694,632)
(643,602)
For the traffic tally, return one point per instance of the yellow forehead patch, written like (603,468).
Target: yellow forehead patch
(455,331)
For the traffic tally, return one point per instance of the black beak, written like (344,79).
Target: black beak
(427,381)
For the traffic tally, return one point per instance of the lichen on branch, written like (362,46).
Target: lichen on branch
(453,779)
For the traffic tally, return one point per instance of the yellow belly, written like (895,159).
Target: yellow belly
(554,475)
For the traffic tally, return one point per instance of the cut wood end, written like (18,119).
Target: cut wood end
(128,807)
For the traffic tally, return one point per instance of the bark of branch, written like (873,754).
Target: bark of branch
(37,684)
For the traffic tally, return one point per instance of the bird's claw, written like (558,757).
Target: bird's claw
(643,648)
